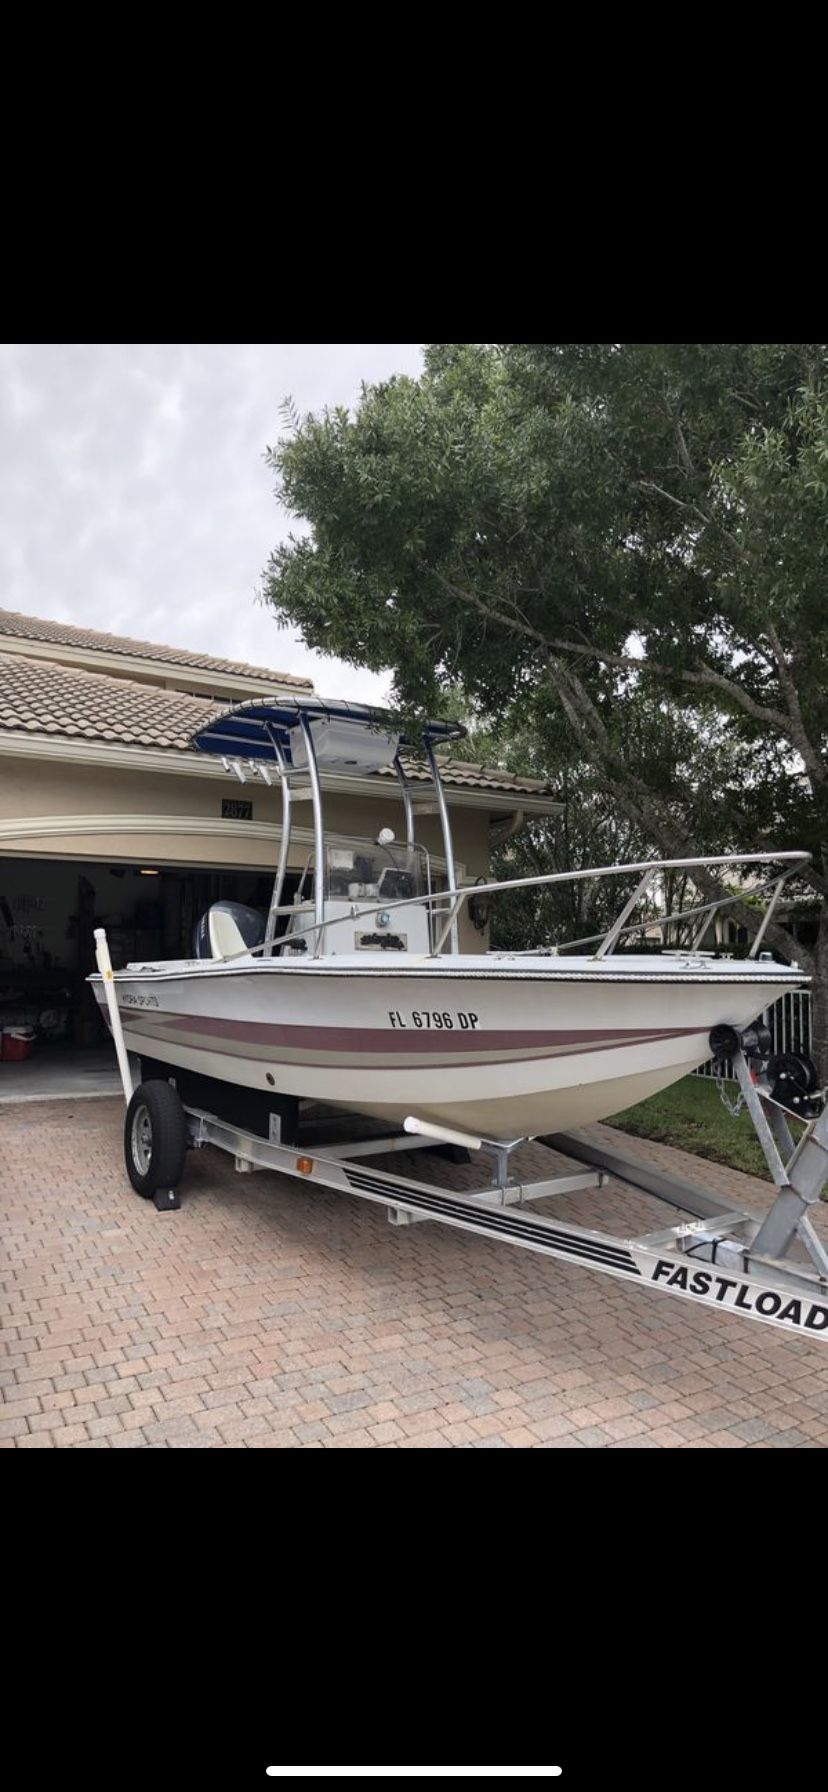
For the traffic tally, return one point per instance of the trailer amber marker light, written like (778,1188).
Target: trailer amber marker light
(304,1165)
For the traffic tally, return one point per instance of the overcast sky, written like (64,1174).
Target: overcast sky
(134,496)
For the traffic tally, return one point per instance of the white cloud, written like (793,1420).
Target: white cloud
(134,494)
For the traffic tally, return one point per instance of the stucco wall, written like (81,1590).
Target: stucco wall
(153,818)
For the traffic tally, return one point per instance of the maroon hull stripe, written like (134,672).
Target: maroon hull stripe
(411,1039)
(354,1045)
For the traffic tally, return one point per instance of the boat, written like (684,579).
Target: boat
(356,995)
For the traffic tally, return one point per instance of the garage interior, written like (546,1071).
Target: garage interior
(49,910)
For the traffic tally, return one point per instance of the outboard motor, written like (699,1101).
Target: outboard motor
(226,928)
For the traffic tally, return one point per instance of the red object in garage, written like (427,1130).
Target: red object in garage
(18,1043)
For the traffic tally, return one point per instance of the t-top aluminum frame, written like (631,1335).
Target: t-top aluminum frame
(255,767)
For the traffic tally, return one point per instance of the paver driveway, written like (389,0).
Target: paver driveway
(263,1313)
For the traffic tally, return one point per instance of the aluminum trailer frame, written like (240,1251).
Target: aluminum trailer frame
(725,1258)
(710,1259)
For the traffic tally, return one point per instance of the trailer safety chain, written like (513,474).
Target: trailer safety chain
(734,1108)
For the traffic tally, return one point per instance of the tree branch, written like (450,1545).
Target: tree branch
(702,676)
(640,805)
(635,797)
(813,761)
(684,453)
(649,485)
(704,516)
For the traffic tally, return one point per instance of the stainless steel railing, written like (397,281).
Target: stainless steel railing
(451,904)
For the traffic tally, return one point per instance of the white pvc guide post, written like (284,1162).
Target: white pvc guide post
(108,975)
(446,1134)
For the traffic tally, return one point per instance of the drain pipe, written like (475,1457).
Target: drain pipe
(108,975)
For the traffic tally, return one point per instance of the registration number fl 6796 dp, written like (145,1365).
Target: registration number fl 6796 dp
(441,1020)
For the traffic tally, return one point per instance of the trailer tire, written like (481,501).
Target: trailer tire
(155,1138)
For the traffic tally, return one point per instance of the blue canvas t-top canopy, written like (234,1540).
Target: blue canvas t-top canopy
(346,736)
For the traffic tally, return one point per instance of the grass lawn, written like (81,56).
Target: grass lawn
(690,1115)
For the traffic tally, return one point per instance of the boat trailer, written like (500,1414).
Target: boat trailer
(726,1258)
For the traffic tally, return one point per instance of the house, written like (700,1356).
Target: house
(108,817)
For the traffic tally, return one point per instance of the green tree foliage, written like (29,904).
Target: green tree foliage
(621,552)
(591,830)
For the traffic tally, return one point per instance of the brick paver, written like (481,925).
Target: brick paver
(267,1314)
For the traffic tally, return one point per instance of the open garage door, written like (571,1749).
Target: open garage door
(48,913)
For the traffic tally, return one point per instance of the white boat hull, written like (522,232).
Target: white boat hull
(497,1046)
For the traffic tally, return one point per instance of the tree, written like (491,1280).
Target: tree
(591,537)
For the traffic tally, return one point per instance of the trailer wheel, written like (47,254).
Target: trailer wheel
(155,1138)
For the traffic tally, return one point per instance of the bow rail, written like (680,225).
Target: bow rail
(649,869)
